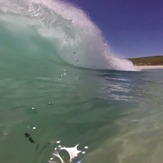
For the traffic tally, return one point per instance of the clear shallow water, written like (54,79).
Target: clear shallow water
(118,115)
(44,102)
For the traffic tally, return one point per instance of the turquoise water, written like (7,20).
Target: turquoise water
(46,102)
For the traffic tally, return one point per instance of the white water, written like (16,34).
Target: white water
(77,40)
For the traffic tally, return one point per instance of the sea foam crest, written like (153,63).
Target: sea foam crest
(77,39)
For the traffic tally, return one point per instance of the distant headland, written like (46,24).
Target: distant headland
(147,61)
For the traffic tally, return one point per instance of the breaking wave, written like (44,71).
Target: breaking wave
(72,36)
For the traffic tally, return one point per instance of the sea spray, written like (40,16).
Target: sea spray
(76,39)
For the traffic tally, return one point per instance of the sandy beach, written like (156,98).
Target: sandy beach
(149,67)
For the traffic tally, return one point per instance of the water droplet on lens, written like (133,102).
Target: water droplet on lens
(86,147)
(58,142)
(51,158)
(50,103)
(59,153)
(34,128)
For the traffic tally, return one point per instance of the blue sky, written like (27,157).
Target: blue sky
(133,28)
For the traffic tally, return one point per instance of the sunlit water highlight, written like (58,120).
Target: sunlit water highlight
(54,112)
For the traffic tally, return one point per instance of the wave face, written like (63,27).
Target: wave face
(68,31)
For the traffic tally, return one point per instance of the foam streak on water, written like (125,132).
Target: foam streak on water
(77,40)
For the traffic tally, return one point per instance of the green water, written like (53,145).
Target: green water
(117,115)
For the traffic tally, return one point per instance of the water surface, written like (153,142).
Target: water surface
(46,103)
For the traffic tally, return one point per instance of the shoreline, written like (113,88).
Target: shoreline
(149,67)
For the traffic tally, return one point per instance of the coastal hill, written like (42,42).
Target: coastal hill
(150,60)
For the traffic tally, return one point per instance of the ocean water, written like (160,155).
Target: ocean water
(62,96)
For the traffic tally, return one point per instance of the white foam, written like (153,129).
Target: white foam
(77,39)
